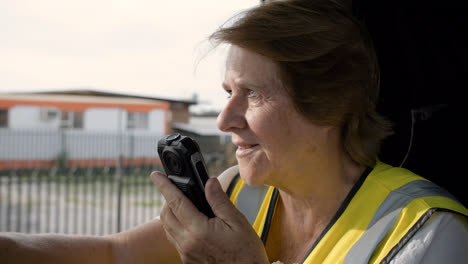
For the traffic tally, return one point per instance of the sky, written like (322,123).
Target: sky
(146,47)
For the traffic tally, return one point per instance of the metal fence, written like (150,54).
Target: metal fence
(91,201)
(80,191)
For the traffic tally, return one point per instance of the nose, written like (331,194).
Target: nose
(233,116)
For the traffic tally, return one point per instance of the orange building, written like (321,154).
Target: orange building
(87,127)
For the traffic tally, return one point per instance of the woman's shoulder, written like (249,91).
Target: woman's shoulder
(442,239)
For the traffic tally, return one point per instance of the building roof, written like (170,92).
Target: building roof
(203,126)
(95,92)
(80,103)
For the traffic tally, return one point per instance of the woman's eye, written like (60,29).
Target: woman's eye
(252,93)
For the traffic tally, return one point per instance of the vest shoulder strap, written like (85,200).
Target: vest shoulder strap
(247,198)
(232,185)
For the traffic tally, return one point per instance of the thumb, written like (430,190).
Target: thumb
(219,201)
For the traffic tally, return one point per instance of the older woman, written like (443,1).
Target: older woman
(302,82)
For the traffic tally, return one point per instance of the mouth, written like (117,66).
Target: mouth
(246,149)
(246,146)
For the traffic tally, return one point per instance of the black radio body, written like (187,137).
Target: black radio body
(185,167)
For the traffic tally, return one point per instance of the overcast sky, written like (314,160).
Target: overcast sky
(148,47)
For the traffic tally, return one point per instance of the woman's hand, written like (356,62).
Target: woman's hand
(226,238)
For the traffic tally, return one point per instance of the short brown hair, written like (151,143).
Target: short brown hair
(327,62)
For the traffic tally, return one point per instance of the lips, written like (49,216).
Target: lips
(244,149)
(244,143)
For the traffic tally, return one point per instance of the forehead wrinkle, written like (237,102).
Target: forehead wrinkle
(248,69)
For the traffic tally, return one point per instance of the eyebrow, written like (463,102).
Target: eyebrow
(242,85)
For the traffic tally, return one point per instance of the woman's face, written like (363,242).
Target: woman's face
(273,139)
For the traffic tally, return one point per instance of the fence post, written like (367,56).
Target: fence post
(119,193)
(119,170)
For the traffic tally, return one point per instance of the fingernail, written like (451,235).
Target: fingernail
(155,175)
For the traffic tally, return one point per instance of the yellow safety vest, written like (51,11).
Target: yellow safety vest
(381,213)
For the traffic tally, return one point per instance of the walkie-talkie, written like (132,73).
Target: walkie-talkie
(185,167)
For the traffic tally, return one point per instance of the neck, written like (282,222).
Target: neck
(311,191)
(326,183)
(325,173)
(300,219)
(313,207)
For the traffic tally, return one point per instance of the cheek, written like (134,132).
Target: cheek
(289,135)
(275,134)
(270,122)
(279,128)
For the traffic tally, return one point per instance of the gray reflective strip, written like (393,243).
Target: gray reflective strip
(386,216)
(250,200)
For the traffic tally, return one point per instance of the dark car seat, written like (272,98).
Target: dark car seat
(423,54)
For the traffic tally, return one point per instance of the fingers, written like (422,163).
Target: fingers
(172,240)
(181,207)
(171,225)
(169,221)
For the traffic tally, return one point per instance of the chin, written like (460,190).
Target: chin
(251,176)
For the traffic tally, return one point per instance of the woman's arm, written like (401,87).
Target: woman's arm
(54,248)
(144,244)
